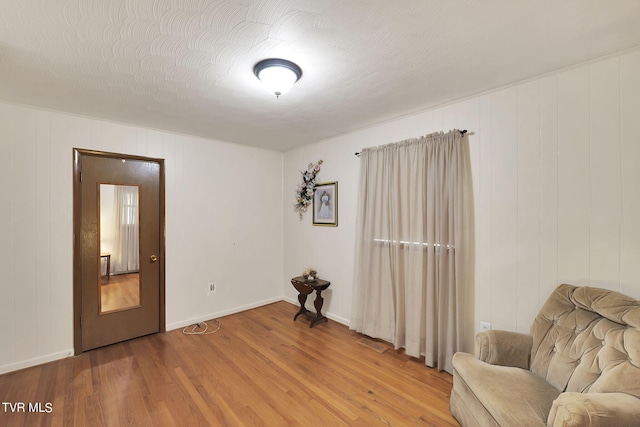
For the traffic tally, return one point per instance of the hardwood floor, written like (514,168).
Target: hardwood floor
(260,369)
(121,291)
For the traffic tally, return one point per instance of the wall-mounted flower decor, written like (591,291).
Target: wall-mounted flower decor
(304,192)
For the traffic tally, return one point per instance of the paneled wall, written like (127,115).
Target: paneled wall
(223,224)
(556,187)
(554,163)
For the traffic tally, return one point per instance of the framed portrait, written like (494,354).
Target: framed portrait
(325,204)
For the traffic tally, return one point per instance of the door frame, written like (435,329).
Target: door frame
(78,153)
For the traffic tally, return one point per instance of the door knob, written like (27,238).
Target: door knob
(154,258)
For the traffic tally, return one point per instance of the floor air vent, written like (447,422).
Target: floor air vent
(373,345)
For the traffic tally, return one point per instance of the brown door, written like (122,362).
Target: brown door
(118,248)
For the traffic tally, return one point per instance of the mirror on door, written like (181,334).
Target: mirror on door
(119,273)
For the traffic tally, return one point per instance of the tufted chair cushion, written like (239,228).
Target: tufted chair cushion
(587,340)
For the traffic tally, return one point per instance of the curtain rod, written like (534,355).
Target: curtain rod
(462,132)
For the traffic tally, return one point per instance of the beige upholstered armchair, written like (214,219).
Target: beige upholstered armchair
(580,366)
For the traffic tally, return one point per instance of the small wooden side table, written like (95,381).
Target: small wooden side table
(305,287)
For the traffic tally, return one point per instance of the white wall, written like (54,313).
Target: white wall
(556,186)
(556,200)
(223,213)
(107,200)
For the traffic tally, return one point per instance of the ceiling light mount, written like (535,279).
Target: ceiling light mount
(277,75)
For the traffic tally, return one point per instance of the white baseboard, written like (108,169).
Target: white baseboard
(181,324)
(36,361)
(171,326)
(291,300)
(328,314)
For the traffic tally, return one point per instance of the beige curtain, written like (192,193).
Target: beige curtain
(413,245)
(126,230)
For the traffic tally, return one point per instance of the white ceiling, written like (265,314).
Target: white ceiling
(187,65)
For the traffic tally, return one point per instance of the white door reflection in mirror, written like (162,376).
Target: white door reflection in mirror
(119,248)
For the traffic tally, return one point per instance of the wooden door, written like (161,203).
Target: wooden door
(138,290)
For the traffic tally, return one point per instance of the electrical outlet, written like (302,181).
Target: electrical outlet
(485,326)
(211,288)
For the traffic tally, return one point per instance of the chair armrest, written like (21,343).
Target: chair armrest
(504,348)
(595,410)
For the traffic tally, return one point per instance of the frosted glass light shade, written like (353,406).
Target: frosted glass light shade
(277,75)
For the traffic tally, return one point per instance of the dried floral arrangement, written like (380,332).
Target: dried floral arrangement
(310,274)
(304,191)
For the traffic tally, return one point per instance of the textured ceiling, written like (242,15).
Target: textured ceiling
(186,65)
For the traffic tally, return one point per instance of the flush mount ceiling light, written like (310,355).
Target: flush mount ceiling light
(277,75)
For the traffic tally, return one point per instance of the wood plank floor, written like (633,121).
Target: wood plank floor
(120,291)
(260,369)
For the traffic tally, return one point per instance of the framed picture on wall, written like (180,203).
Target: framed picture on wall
(325,204)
